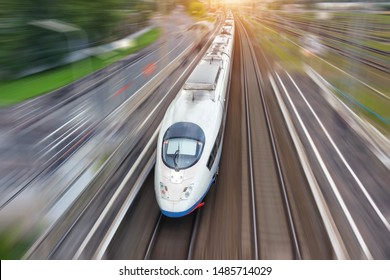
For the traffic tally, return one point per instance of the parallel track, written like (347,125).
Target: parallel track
(341,51)
(244,86)
(288,212)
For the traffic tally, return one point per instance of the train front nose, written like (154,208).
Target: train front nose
(175,199)
(172,211)
(175,209)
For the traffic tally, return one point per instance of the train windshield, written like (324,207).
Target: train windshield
(182,145)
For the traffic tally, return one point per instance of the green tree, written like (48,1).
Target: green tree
(24,45)
(97,18)
(197,9)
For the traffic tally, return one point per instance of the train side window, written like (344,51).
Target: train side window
(213,154)
(214,151)
(210,162)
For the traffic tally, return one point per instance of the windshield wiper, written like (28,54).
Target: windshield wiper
(175,159)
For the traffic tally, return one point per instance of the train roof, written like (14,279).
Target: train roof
(226,30)
(213,56)
(217,49)
(222,39)
(204,77)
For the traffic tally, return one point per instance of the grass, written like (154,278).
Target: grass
(101,160)
(363,22)
(376,109)
(15,91)
(283,50)
(12,246)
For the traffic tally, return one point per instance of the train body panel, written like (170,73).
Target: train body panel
(189,145)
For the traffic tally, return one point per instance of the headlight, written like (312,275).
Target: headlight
(164,191)
(187,191)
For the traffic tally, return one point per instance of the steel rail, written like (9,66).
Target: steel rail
(153,238)
(193,235)
(244,86)
(271,134)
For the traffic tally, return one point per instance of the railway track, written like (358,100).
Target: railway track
(29,113)
(244,85)
(252,86)
(362,32)
(55,146)
(339,28)
(173,238)
(273,228)
(145,234)
(87,232)
(371,62)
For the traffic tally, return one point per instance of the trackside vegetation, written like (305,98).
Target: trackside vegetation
(18,90)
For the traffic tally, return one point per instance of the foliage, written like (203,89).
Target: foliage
(24,45)
(197,9)
(96,18)
(12,245)
(185,3)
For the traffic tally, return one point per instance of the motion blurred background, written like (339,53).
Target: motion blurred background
(78,79)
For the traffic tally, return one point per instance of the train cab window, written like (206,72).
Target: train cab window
(181,153)
(182,145)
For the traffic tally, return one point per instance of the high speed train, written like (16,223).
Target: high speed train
(189,144)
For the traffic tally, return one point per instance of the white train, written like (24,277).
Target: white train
(189,145)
